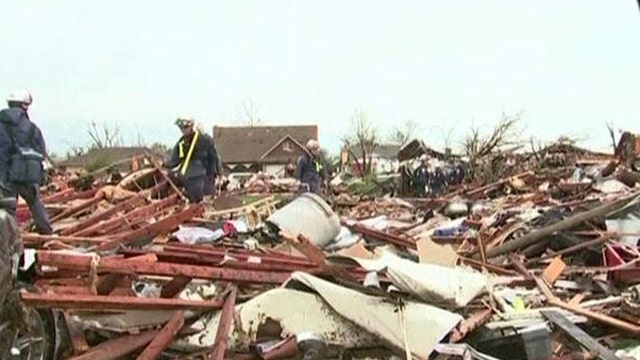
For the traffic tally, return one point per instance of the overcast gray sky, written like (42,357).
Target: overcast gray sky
(571,65)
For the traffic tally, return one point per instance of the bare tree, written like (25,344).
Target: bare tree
(478,147)
(402,133)
(612,134)
(447,136)
(104,136)
(248,113)
(364,138)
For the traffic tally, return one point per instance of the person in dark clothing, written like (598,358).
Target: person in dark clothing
(421,176)
(290,169)
(438,182)
(460,173)
(195,161)
(311,171)
(22,152)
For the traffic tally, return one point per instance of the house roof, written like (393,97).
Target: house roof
(385,151)
(106,156)
(416,148)
(247,144)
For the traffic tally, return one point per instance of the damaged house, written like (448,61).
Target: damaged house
(265,149)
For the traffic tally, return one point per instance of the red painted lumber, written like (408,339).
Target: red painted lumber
(117,348)
(76,209)
(200,259)
(92,302)
(80,262)
(161,226)
(40,239)
(103,215)
(383,236)
(224,325)
(76,335)
(164,338)
(144,211)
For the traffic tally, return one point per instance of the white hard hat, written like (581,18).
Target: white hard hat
(185,121)
(20,96)
(424,157)
(312,144)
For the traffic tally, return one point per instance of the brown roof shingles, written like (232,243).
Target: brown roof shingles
(243,144)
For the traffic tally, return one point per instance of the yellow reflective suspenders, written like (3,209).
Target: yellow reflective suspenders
(185,164)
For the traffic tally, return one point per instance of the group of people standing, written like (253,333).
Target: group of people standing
(433,181)
(194,162)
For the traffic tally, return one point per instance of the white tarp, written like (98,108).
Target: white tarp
(430,282)
(414,327)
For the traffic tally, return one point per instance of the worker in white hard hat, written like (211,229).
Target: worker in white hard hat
(421,176)
(22,153)
(311,170)
(194,160)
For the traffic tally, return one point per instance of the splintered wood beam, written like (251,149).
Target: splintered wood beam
(103,215)
(92,302)
(175,286)
(108,282)
(118,347)
(31,238)
(224,325)
(142,212)
(161,226)
(578,334)
(470,324)
(76,334)
(76,209)
(119,266)
(164,338)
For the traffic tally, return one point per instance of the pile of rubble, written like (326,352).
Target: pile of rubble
(533,266)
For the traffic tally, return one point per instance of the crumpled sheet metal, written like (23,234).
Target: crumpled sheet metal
(430,282)
(415,327)
(295,311)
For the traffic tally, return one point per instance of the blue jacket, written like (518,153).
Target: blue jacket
(311,170)
(27,134)
(204,160)
(422,175)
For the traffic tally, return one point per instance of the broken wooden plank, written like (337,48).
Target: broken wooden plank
(577,299)
(175,286)
(224,326)
(571,249)
(76,209)
(118,347)
(60,301)
(76,335)
(382,236)
(164,338)
(566,224)
(605,319)
(552,272)
(143,212)
(161,226)
(310,250)
(32,238)
(579,335)
(119,266)
(103,215)
(468,325)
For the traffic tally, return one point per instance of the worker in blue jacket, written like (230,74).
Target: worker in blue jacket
(311,171)
(22,153)
(421,176)
(194,160)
